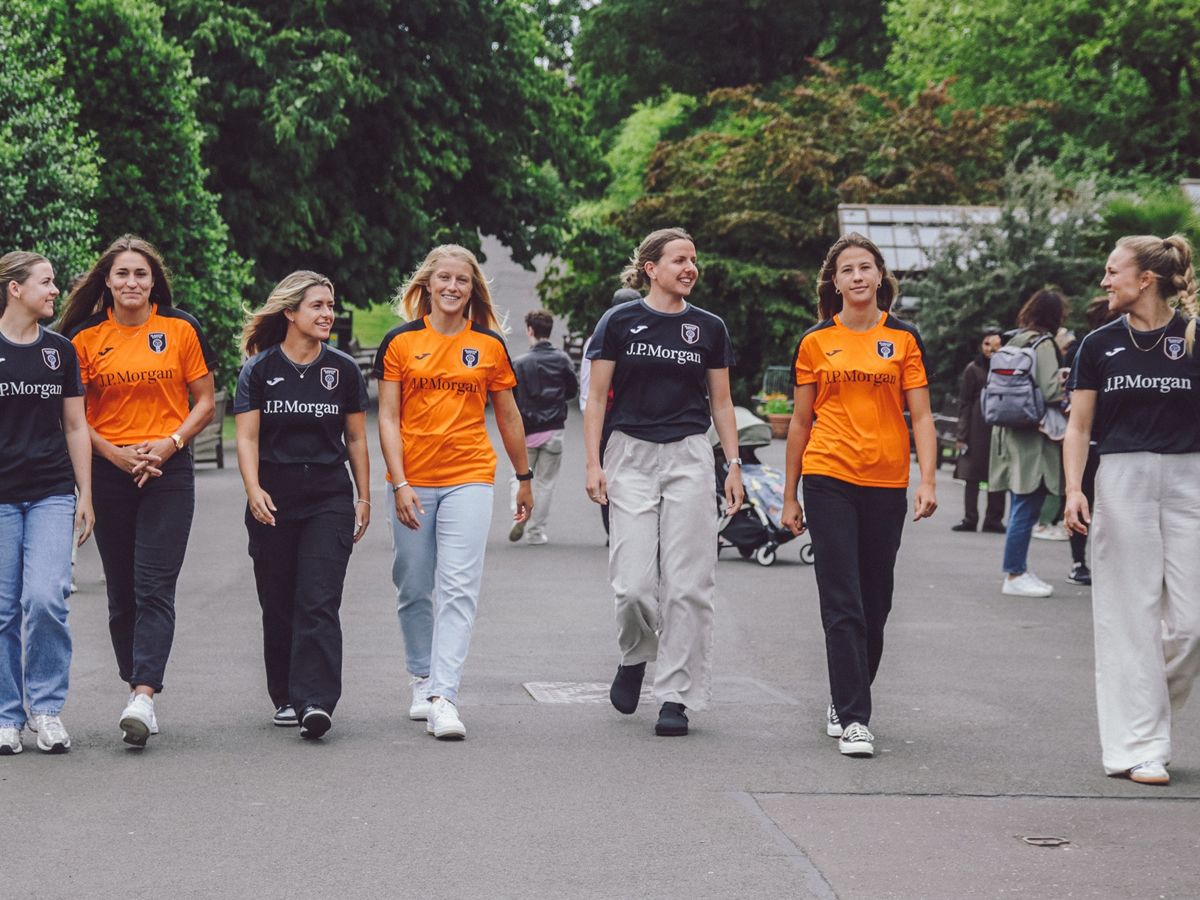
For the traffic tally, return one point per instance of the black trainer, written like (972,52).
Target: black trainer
(994,528)
(1080,574)
(672,721)
(314,722)
(627,688)
(964,525)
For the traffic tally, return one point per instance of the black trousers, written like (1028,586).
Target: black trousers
(142,535)
(1079,541)
(855,536)
(299,569)
(993,516)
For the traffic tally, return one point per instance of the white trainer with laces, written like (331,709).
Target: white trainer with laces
(856,740)
(1026,585)
(52,737)
(10,740)
(833,725)
(153,716)
(1152,772)
(137,720)
(443,722)
(418,711)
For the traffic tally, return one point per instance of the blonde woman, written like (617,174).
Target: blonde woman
(1136,396)
(436,374)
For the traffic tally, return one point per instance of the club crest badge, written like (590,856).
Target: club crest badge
(329,377)
(51,358)
(1173,347)
(157,341)
(470,357)
(691,333)
(885,349)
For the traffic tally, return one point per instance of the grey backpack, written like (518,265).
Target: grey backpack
(1011,396)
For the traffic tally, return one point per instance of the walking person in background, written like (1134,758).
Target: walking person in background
(546,381)
(295,436)
(859,364)
(141,360)
(45,454)
(974,443)
(1136,392)
(667,362)
(436,373)
(1025,461)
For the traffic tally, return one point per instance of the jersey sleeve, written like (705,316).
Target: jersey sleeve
(356,395)
(72,383)
(724,357)
(82,357)
(913,374)
(249,394)
(1085,374)
(388,362)
(604,342)
(502,377)
(195,354)
(802,368)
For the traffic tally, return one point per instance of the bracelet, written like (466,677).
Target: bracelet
(396,487)
(360,500)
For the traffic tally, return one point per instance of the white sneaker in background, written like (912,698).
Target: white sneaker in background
(1150,773)
(536,537)
(1051,533)
(137,721)
(833,725)
(285,716)
(443,722)
(1026,585)
(52,737)
(418,711)
(10,740)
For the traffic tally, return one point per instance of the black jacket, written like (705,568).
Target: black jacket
(546,380)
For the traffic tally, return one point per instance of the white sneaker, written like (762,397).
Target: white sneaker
(833,725)
(856,740)
(153,715)
(285,716)
(52,736)
(1042,581)
(536,537)
(1150,773)
(1026,585)
(10,740)
(1051,533)
(443,721)
(137,720)
(419,710)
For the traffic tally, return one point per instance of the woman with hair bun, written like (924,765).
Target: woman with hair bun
(1136,396)
(855,371)
(668,364)
(301,416)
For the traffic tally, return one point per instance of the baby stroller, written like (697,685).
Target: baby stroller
(754,530)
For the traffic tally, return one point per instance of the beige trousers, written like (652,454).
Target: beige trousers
(1145,600)
(662,560)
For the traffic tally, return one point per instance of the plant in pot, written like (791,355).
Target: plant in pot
(778,410)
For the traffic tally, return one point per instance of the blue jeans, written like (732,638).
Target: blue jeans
(1023,514)
(35,582)
(437,571)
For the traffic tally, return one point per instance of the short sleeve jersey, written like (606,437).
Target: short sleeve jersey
(859,434)
(136,378)
(34,380)
(660,377)
(302,409)
(444,382)
(1146,400)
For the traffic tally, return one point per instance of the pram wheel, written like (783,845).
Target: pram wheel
(807,556)
(765,555)
(745,552)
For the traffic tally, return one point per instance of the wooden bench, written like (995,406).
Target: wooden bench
(209,444)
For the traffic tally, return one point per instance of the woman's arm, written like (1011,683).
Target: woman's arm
(79,448)
(720,404)
(799,430)
(512,433)
(153,454)
(925,437)
(1076,515)
(593,427)
(408,504)
(360,468)
(260,502)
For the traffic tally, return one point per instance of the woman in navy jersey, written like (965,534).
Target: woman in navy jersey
(45,454)
(301,411)
(1136,396)
(668,364)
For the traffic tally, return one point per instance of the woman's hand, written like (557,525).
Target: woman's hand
(597,487)
(925,503)
(85,520)
(151,455)
(261,506)
(1076,514)
(408,507)
(362,518)
(524,501)
(793,516)
(124,458)
(735,492)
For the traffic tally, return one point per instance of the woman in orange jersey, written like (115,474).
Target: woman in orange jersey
(855,372)
(141,361)
(435,376)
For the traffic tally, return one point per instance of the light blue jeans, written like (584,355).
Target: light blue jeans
(437,570)
(35,582)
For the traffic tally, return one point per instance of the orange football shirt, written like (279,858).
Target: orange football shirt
(859,434)
(136,378)
(444,383)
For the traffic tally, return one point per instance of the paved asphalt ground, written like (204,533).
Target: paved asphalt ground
(985,721)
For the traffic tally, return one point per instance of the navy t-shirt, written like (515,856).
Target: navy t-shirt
(302,418)
(34,379)
(660,387)
(1146,399)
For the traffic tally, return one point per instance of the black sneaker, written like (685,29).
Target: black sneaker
(963,526)
(672,721)
(1080,574)
(627,688)
(994,528)
(285,716)
(314,722)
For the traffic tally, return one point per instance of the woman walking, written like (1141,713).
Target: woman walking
(974,444)
(855,372)
(1026,461)
(141,360)
(1136,394)
(436,374)
(45,454)
(295,436)
(668,364)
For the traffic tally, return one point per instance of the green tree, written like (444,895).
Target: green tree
(138,95)
(1162,213)
(48,165)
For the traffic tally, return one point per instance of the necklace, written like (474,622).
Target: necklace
(1162,332)
(300,371)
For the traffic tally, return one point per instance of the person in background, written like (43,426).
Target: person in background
(974,443)
(545,382)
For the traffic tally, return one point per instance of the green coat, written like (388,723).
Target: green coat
(1021,458)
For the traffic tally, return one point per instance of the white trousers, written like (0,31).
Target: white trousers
(1145,600)
(662,560)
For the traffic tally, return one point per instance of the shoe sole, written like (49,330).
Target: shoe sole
(517,532)
(418,716)
(857,748)
(448,734)
(1081,583)
(10,751)
(54,749)
(670,731)
(834,730)
(134,731)
(317,728)
(1141,779)
(286,723)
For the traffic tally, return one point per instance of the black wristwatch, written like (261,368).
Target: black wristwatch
(528,476)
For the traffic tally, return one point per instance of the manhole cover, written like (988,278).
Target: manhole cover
(1045,841)
(574,691)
